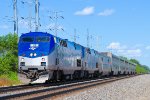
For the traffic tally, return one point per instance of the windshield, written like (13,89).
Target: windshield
(42,39)
(27,39)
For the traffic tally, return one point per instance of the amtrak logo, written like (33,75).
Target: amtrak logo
(33,46)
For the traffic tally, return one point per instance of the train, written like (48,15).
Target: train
(44,57)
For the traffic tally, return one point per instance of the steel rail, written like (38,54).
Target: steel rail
(62,89)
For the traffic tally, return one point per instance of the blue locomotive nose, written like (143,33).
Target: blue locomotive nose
(35,45)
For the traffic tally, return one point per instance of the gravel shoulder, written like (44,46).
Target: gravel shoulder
(135,88)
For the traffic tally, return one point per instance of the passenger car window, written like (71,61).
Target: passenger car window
(108,60)
(78,62)
(42,39)
(102,59)
(27,39)
(96,64)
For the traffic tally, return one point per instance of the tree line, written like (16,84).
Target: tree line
(139,67)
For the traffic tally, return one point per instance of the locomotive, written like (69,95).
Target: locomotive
(45,57)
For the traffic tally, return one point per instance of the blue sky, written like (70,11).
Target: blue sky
(119,26)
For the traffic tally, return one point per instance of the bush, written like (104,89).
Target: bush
(9,57)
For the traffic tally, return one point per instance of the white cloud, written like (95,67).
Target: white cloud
(107,12)
(130,52)
(147,48)
(123,50)
(116,45)
(138,46)
(4,27)
(85,11)
(134,53)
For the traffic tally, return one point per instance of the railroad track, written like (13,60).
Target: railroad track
(16,88)
(57,90)
(4,90)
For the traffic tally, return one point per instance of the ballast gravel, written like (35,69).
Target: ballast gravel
(134,88)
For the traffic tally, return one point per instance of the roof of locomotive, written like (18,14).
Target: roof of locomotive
(58,39)
(36,34)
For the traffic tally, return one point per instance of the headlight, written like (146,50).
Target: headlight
(43,59)
(31,54)
(22,59)
(35,54)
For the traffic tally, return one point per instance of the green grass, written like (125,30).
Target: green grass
(9,79)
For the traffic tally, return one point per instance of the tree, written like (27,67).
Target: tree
(135,61)
(9,53)
(140,68)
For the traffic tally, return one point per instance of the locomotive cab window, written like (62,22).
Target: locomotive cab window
(27,39)
(42,39)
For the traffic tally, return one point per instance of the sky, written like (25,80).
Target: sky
(118,26)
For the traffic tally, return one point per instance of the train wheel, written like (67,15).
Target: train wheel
(119,73)
(96,74)
(112,73)
(76,75)
(61,75)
